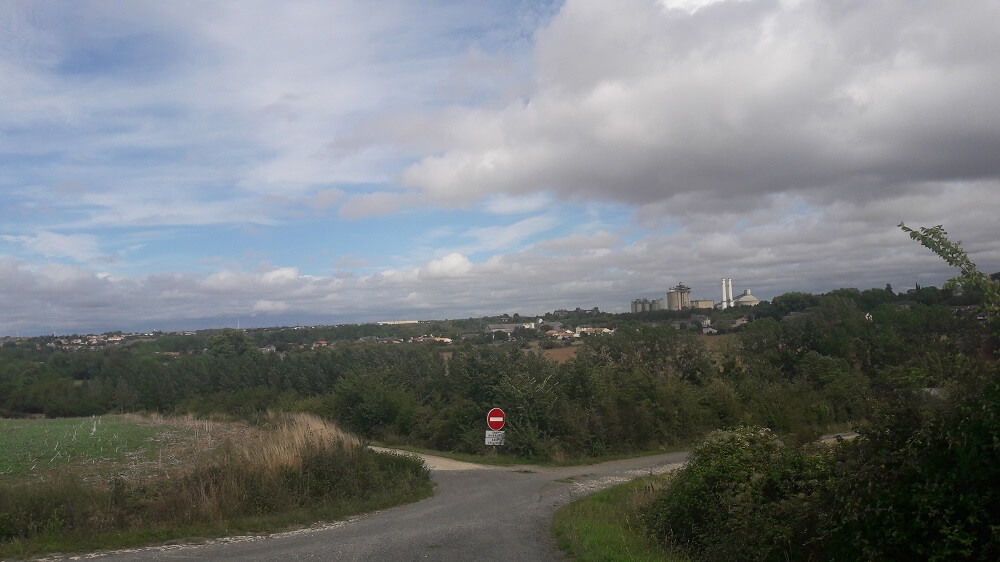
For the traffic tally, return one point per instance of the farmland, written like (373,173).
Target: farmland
(37,447)
(104,447)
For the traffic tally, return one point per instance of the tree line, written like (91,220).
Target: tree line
(643,387)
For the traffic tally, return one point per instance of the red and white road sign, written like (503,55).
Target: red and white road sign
(495,419)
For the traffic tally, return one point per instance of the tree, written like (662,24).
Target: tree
(792,302)
(230,343)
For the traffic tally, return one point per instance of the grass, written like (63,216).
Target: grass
(603,526)
(298,471)
(35,448)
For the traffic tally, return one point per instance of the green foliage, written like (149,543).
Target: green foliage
(936,240)
(744,495)
(792,302)
(921,482)
(230,344)
(373,405)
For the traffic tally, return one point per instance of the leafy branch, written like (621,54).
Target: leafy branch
(936,240)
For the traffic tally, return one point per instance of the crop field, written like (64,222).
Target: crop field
(99,447)
(38,446)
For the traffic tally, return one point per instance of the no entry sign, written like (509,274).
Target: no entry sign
(495,419)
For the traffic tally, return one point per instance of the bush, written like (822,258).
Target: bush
(744,495)
(921,482)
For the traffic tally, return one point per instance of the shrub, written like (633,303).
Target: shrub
(744,495)
(921,482)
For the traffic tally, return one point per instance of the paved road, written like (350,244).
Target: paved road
(477,512)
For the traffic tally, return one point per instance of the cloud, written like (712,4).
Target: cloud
(374,204)
(583,242)
(267,307)
(326,198)
(521,156)
(454,265)
(734,102)
(494,238)
(506,205)
(78,247)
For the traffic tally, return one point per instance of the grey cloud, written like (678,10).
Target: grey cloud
(740,99)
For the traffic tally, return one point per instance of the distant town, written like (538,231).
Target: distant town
(559,327)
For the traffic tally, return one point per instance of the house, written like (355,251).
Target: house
(589,331)
(508,328)
(561,334)
(429,339)
(701,320)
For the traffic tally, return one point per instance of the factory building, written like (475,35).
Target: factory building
(679,297)
(746,299)
(646,305)
(727,294)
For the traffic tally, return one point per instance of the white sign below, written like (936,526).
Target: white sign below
(494,438)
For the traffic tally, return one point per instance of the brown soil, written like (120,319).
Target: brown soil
(560,354)
(182,441)
(714,341)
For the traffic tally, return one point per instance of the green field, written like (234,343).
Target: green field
(35,447)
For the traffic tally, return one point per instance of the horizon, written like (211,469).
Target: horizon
(166,166)
(239,324)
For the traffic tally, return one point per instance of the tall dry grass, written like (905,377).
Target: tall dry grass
(294,436)
(299,464)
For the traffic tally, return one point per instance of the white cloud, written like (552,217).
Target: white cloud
(454,265)
(78,247)
(268,306)
(495,238)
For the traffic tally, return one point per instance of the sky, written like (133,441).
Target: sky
(187,165)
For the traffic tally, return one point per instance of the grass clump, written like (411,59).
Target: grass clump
(301,470)
(604,525)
